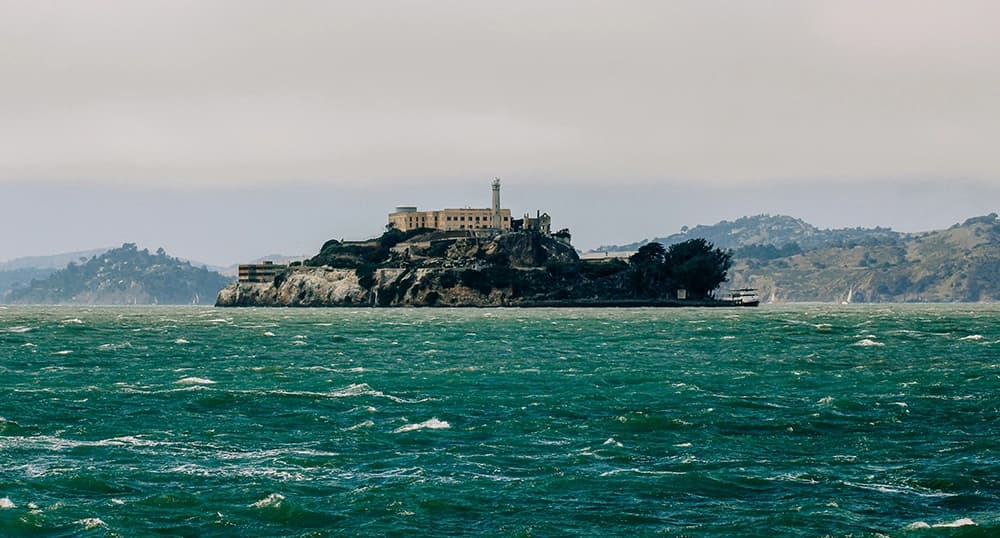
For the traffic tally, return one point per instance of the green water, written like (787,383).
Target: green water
(791,421)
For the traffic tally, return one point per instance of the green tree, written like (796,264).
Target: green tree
(648,272)
(697,266)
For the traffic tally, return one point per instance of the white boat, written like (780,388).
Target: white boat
(744,297)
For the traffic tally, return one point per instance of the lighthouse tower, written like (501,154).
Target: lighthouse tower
(496,204)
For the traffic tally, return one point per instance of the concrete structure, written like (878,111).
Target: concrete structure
(406,218)
(260,272)
(606,256)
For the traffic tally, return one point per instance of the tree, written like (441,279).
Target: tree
(648,273)
(697,266)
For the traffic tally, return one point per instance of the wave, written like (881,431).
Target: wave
(90,523)
(194,381)
(6,503)
(868,342)
(964,522)
(18,329)
(432,424)
(271,501)
(972,338)
(365,424)
(113,347)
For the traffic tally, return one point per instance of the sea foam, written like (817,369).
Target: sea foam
(432,424)
(194,381)
(271,501)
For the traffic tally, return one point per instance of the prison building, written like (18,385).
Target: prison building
(260,272)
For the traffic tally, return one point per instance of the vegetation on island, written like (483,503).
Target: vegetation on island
(125,275)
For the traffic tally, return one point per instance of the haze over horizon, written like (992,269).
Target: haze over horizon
(230,130)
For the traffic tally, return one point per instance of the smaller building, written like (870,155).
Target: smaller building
(541,222)
(260,272)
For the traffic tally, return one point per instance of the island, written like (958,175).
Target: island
(467,257)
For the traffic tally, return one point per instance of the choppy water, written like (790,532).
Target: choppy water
(795,421)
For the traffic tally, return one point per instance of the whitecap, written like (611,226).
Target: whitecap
(611,441)
(271,501)
(868,342)
(365,424)
(19,329)
(299,337)
(826,400)
(63,352)
(268,333)
(91,523)
(29,344)
(972,337)
(218,320)
(194,381)
(432,424)
(118,502)
(181,341)
(6,503)
(74,321)
(964,522)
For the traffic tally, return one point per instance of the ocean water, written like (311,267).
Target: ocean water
(777,421)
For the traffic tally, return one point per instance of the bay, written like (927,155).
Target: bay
(803,420)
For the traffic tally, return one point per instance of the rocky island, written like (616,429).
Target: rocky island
(480,257)
(425,267)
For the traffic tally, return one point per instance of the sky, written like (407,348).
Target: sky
(227,130)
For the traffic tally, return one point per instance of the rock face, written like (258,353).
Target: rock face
(323,286)
(423,269)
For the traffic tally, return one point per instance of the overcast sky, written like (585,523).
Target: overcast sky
(225,130)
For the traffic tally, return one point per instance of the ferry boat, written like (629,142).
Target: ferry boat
(744,297)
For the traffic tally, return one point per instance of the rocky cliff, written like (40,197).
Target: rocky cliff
(425,268)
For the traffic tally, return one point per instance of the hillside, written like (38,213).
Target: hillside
(124,275)
(775,230)
(961,263)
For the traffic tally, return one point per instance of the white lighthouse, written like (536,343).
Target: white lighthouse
(496,204)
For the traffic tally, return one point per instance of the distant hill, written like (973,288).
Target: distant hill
(775,230)
(19,272)
(961,263)
(124,275)
(55,261)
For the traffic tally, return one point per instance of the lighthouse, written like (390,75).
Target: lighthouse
(496,204)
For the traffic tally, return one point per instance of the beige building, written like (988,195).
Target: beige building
(494,218)
(408,218)
(260,272)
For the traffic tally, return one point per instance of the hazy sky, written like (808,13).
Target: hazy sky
(224,130)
